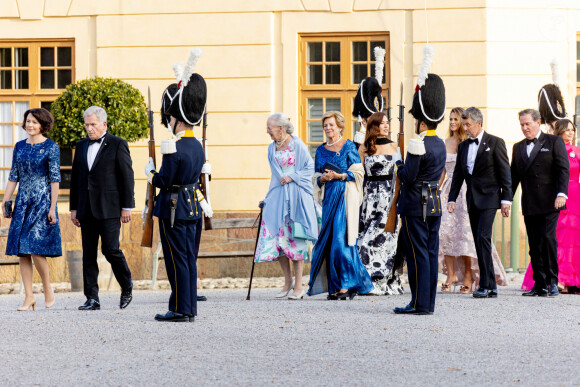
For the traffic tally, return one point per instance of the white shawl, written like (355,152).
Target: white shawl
(353,196)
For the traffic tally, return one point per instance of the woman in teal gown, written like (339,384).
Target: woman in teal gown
(336,267)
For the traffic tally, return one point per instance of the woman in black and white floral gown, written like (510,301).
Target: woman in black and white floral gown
(377,248)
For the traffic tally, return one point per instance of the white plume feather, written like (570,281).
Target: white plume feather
(190,65)
(379,64)
(555,66)
(428,53)
(178,70)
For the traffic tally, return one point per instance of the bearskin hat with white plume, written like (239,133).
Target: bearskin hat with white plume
(189,102)
(368,99)
(429,99)
(550,101)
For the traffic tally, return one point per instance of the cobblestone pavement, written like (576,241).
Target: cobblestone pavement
(511,340)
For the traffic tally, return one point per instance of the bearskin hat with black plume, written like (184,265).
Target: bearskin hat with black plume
(429,99)
(189,101)
(368,99)
(550,101)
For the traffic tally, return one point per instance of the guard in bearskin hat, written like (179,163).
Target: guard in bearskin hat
(368,99)
(180,204)
(550,101)
(419,203)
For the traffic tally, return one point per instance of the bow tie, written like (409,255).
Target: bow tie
(473,140)
(98,141)
(528,142)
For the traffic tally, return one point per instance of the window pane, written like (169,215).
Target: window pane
(314,52)
(21,79)
(314,107)
(332,74)
(5,57)
(311,149)
(6,158)
(64,55)
(333,104)
(47,57)
(64,78)
(21,57)
(578,50)
(6,135)
(359,72)
(46,105)
(315,131)
(5,79)
(333,51)
(373,71)
(315,74)
(47,79)
(5,111)
(577,72)
(19,109)
(359,51)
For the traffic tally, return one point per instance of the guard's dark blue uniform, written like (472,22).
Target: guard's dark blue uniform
(420,227)
(179,174)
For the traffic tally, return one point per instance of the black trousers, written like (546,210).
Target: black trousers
(421,243)
(108,230)
(180,246)
(481,227)
(543,248)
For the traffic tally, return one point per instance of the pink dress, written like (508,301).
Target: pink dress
(455,237)
(567,230)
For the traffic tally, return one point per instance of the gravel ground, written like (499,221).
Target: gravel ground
(511,340)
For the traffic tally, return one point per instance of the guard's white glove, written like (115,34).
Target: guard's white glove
(206,168)
(206,208)
(148,168)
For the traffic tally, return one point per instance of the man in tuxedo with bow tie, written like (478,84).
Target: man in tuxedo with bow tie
(101,197)
(540,163)
(482,162)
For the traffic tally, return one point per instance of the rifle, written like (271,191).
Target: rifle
(205,178)
(391,224)
(147,238)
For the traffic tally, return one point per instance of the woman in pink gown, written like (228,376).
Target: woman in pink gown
(568,228)
(457,254)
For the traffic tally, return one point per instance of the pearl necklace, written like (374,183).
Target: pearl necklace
(336,142)
(280,143)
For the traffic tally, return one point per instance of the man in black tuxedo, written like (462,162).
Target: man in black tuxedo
(101,197)
(540,163)
(483,163)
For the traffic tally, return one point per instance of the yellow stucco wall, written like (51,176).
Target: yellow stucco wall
(490,55)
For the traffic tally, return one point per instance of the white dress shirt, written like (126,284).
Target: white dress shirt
(472,153)
(93,150)
(531,145)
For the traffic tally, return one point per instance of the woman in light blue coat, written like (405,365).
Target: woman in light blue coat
(289,217)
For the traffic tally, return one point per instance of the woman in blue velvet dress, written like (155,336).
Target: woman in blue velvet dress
(336,267)
(34,230)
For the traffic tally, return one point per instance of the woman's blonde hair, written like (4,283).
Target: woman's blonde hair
(338,118)
(460,131)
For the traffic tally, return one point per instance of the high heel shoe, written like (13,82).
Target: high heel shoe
(24,308)
(344,295)
(464,289)
(446,287)
(49,305)
(283,293)
(299,296)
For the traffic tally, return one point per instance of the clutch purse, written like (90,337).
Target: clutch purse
(8,208)
(331,167)
(298,232)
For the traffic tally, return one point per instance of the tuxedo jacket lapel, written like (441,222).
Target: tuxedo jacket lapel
(482,147)
(539,144)
(101,150)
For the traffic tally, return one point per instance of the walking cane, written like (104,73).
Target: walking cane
(261,205)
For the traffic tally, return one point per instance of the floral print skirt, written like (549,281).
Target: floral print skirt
(271,246)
